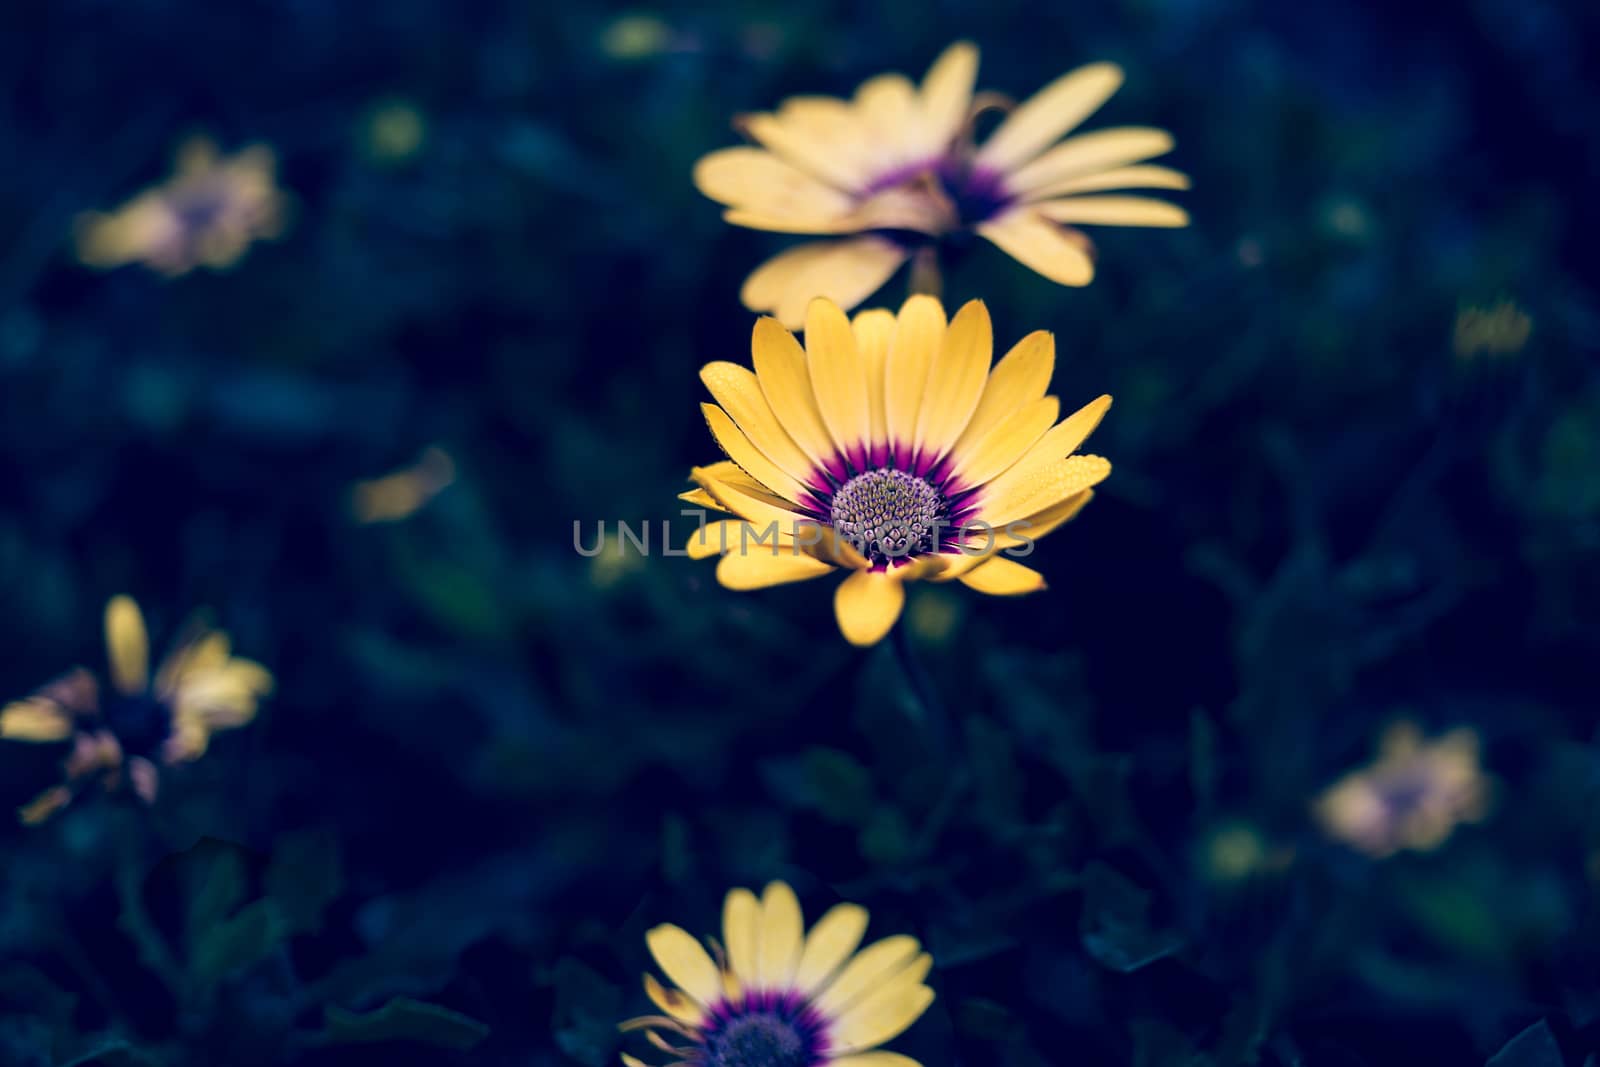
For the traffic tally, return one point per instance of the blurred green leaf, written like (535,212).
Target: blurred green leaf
(886,839)
(825,780)
(1533,1047)
(238,943)
(115,1053)
(1157,1043)
(997,777)
(403,1019)
(305,876)
(216,888)
(586,1012)
(1115,924)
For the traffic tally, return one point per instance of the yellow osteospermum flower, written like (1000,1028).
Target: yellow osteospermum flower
(140,724)
(886,446)
(779,997)
(205,215)
(895,169)
(1413,796)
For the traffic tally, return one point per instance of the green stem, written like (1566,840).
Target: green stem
(926,277)
(935,720)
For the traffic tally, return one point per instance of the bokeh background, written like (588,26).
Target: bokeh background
(1341,500)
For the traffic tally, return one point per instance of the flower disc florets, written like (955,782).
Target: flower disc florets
(888,514)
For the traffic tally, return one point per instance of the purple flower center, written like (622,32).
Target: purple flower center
(888,514)
(976,193)
(765,1030)
(140,723)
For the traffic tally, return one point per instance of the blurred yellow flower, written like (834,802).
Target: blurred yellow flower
(886,446)
(141,723)
(406,491)
(205,215)
(1413,796)
(1500,330)
(897,168)
(394,132)
(779,997)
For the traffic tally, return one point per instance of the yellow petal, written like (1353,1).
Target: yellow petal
(780,365)
(869,968)
(874,1059)
(632,1061)
(885,1011)
(1037,525)
(814,137)
(759,567)
(750,459)
(1042,246)
(738,391)
(829,944)
(684,962)
(35,719)
(759,181)
(887,107)
(1021,377)
(825,543)
(671,1001)
(867,604)
(1006,443)
(1021,497)
(1050,113)
(955,381)
(1144,176)
(838,378)
(782,935)
(127,645)
(727,535)
(946,97)
(741,934)
(999,576)
(1088,153)
(44,805)
(919,331)
(774,517)
(1060,441)
(846,272)
(700,499)
(874,331)
(1114,211)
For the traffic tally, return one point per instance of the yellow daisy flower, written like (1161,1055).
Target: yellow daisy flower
(205,215)
(896,169)
(887,447)
(778,997)
(142,724)
(1413,796)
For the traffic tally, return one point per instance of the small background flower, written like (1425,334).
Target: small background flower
(205,215)
(897,169)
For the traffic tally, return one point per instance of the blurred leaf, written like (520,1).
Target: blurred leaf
(1534,1047)
(216,888)
(997,777)
(238,943)
(825,780)
(115,1053)
(886,839)
(1115,924)
(403,1019)
(986,1020)
(586,1012)
(304,877)
(1157,1043)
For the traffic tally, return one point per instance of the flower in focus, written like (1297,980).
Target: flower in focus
(779,997)
(1412,796)
(205,215)
(138,724)
(887,447)
(896,169)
